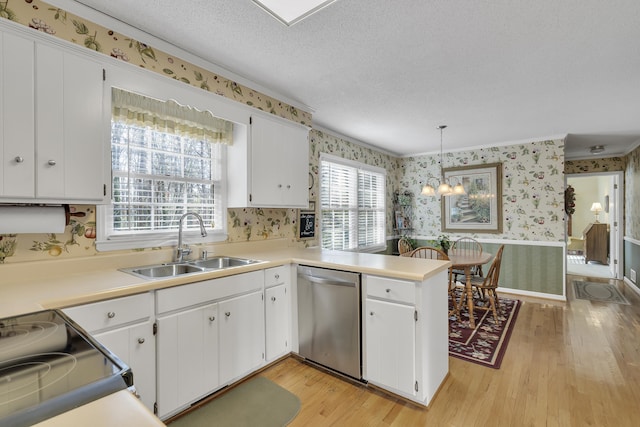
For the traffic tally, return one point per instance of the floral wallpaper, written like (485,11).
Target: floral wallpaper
(532,189)
(59,23)
(594,165)
(632,195)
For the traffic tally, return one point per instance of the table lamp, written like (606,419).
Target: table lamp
(596,207)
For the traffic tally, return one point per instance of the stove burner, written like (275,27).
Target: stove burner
(32,375)
(49,365)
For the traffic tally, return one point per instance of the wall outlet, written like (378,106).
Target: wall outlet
(633,275)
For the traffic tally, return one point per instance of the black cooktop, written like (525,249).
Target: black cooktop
(49,365)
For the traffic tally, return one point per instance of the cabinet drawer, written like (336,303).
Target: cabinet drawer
(179,297)
(112,313)
(276,276)
(391,289)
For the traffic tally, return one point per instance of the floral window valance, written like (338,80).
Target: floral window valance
(169,116)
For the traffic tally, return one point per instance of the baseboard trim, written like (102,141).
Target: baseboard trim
(532,294)
(631,285)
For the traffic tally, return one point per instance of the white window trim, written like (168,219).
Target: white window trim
(364,167)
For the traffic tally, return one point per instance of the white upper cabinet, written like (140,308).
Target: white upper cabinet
(52,124)
(273,170)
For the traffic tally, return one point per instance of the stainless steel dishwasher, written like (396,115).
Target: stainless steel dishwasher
(329,319)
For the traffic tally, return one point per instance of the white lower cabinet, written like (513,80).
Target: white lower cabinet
(390,344)
(125,327)
(277,306)
(210,333)
(241,335)
(187,349)
(405,337)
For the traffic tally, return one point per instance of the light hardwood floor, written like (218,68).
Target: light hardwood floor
(567,364)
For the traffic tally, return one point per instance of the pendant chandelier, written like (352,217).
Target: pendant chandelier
(444,189)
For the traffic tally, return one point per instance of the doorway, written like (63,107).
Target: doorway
(591,189)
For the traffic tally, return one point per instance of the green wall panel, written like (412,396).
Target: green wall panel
(631,259)
(531,268)
(524,267)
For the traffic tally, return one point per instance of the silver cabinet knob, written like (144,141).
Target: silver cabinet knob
(140,340)
(371,313)
(388,290)
(51,162)
(279,185)
(277,276)
(288,186)
(212,318)
(228,313)
(19,159)
(273,298)
(111,314)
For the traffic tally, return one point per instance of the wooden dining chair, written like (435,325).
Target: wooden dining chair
(428,252)
(404,248)
(486,286)
(466,246)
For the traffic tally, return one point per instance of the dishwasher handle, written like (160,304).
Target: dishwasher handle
(334,282)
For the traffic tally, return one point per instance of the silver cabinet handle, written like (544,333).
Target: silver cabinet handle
(388,290)
(277,276)
(111,314)
(228,313)
(371,313)
(19,159)
(288,186)
(51,162)
(273,298)
(212,318)
(140,340)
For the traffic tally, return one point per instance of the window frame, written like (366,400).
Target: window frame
(108,240)
(359,167)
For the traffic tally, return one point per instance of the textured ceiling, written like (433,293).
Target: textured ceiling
(388,72)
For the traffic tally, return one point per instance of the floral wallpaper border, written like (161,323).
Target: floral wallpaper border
(46,18)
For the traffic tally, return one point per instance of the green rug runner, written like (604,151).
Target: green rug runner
(256,402)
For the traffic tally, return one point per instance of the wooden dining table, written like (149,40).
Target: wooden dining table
(466,261)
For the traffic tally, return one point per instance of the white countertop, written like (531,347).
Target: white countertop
(33,286)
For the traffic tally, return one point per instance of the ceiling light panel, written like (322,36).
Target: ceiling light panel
(290,12)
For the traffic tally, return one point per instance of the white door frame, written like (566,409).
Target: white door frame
(616,218)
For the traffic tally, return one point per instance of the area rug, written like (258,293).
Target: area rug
(487,343)
(256,402)
(600,292)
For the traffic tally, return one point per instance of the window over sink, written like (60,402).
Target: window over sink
(166,159)
(352,205)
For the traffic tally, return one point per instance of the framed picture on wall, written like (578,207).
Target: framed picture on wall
(480,209)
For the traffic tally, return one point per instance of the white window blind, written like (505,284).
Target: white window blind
(163,167)
(352,205)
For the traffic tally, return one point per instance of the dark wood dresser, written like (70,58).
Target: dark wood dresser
(596,243)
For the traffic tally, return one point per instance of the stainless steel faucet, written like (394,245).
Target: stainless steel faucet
(183,250)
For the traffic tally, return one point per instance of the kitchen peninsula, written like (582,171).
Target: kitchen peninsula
(396,284)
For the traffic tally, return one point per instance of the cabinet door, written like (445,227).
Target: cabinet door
(187,357)
(241,335)
(135,345)
(390,345)
(17,151)
(277,317)
(70,163)
(279,163)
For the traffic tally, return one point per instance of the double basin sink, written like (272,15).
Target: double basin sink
(161,271)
